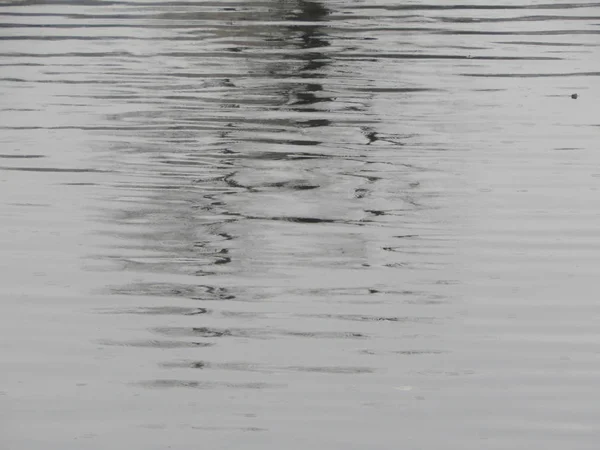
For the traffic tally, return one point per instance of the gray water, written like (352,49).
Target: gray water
(295,224)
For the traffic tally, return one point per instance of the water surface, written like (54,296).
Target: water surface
(290,224)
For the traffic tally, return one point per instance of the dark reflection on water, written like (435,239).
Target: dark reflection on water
(204,384)
(343,223)
(267,369)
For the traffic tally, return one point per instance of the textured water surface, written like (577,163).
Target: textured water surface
(292,224)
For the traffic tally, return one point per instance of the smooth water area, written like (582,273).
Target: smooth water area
(291,224)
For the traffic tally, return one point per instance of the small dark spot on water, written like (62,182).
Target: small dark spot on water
(574,96)
(370,134)
(360,193)
(225,260)
(225,236)
(199,365)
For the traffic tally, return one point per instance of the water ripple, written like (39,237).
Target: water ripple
(332,220)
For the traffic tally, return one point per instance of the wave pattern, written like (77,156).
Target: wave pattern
(291,223)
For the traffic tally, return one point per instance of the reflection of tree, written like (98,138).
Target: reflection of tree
(311,33)
(194,133)
(235,167)
(297,191)
(289,81)
(310,37)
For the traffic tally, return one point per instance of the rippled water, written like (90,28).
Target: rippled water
(290,224)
